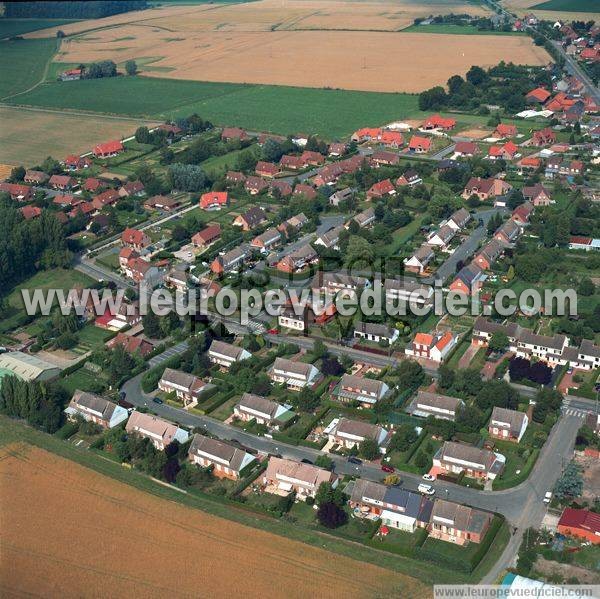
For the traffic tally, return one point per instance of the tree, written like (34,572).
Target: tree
(434,98)
(586,287)
(331,516)
(540,373)
(327,494)
(186,177)
(152,325)
(497,393)
(359,253)
(476,75)
(324,461)
(405,436)
(445,377)
(131,67)
(498,341)
(570,484)
(410,374)
(421,460)
(369,449)
(331,366)
(17,174)
(391,479)
(319,349)
(307,400)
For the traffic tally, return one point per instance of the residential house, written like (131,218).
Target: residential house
(365,218)
(442,407)
(62,182)
(366,134)
(36,177)
(296,375)
(341,195)
(132,189)
(336,281)
(30,212)
(186,386)
(108,149)
(351,433)
(214,200)
(488,254)
(407,290)
(251,219)
(283,477)
(76,163)
(538,195)
(293,224)
(235,178)
(438,122)
(584,243)
(381,189)
(96,409)
(539,95)
(384,158)
(267,240)
(266,169)
(160,432)
(177,278)
(225,354)
(508,425)
(298,259)
(262,410)
(106,198)
(508,232)
(442,237)
(21,193)
(375,332)
(466,149)
(357,389)
(456,523)
(543,137)
(469,280)
(528,163)
(505,152)
(503,131)
(281,188)
(234,133)
(136,239)
(337,149)
(308,191)
(310,158)
(165,203)
(479,463)
(485,189)
(419,145)
(521,214)
(131,344)
(431,346)
(226,460)
(93,185)
(207,236)
(255,185)
(395,507)
(580,523)
(331,238)
(418,262)
(459,219)
(410,177)
(289,162)
(231,260)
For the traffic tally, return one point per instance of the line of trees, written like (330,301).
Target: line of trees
(72,9)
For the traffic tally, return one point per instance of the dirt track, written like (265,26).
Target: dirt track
(67,531)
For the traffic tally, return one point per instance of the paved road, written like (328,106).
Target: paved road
(466,249)
(573,68)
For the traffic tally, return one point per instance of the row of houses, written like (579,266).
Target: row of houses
(555,350)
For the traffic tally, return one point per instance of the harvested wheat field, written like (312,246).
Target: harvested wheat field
(68,531)
(357,60)
(271,15)
(54,133)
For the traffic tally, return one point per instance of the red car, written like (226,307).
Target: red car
(387,468)
(273,332)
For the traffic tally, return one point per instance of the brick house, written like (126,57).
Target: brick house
(457,523)
(507,424)
(478,463)
(133,238)
(160,432)
(226,460)
(96,409)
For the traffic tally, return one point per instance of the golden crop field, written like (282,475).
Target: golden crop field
(53,133)
(312,43)
(71,532)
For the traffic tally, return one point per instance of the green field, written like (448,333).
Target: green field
(569,5)
(23,63)
(12,27)
(455,29)
(334,113)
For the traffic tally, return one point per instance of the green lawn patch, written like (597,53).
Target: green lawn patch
(12,27)
(333,113)
(568,5)
(80,379)
(456,29)
(22,64)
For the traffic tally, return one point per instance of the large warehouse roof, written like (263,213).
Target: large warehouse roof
(28,366)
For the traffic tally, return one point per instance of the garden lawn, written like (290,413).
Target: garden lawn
(333,113)
(82,379)
(225,410)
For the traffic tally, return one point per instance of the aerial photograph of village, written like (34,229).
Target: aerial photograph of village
(300,298)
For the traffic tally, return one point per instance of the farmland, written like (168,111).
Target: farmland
(269,108)
(50,139)
(23,63)
(12,27)
(582,10)
(356,60)
(52,498)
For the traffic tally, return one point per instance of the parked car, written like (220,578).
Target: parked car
(273,332)
(387,468)
(426,489)
(548,497)
(305,461)
(354,461)
(157,400)
(428,477)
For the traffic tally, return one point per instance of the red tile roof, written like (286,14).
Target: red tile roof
(110,147)
(418,142)
(584,519)
(214,198)
(30,212)
(539,93)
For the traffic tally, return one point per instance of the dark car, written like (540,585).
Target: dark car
(157,400)
(355,461)
(305,461)
(387,468)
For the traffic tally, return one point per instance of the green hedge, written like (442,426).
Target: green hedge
(217,402)
(151,378)
(67,430)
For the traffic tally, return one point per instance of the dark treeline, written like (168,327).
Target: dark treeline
(28,245)
(71,10)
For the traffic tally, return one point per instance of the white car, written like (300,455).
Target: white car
(428,477)
(548,497)
(426,489)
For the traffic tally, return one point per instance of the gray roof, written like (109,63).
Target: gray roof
(468,453)
(223,451)
(93,403)
(362,383)
(372,328)
(460,217)
(588,348)
(300,368)
(513,418)
(258,403)
(339,279)
(254,216)
(463,517)
(444,402)
(331,237)
(225,349)
(358,428)
(178,377)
